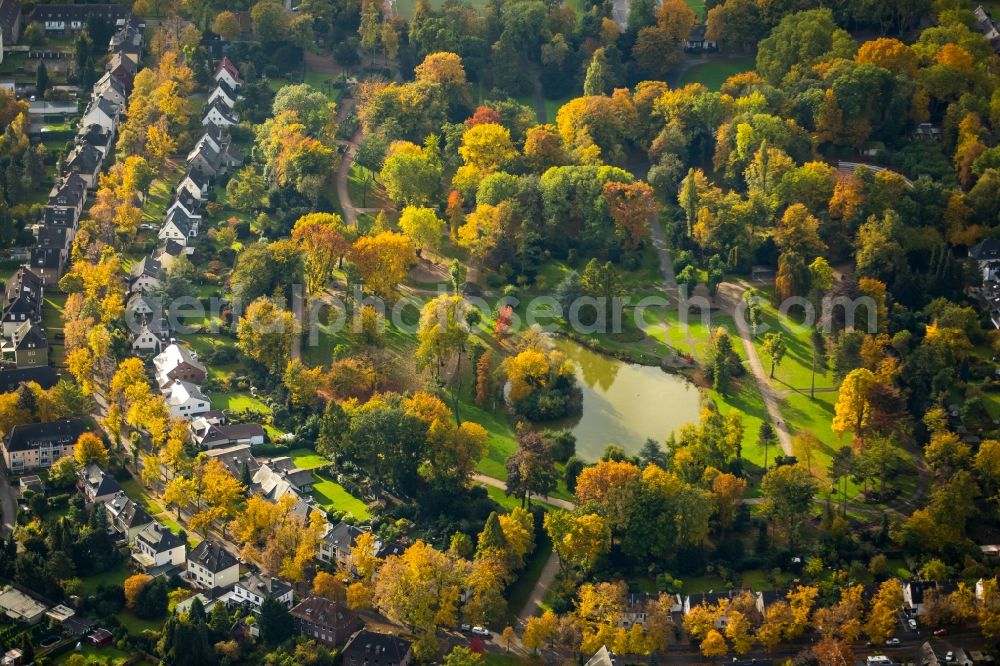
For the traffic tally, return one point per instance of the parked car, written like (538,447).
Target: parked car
(950,656)
(940,632)
(466,627)
(480,631)
(892,641)
(912,623)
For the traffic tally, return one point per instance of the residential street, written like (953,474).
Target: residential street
(8,504)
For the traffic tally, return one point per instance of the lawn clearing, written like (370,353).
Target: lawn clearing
(334,497)
(713,74)
(238,402)
(115,576)
(307,459)
(97,655)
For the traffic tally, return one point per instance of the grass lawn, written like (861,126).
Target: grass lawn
(136,625)
(8,267)
(364,191)
(307,459)
(52,311)
(500,443)
(238,402)
(552,107)
(334,497)
(137,494)
(116,576)
(404,8)
(94,655)
(698,6)
(714,74)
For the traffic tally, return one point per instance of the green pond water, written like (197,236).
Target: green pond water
(624,403)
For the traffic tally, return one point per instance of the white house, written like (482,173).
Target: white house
(186,400)
(252,590)
(156,546)
(102,111)
(111,89)
(149,338)
(195,182)
(210,566)
(224,93)
(145,275)
(98,486)
(185,203)
(217,113)
(227,72)
(178,227)
(178,363)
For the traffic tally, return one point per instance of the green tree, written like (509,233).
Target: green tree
(598,77)
(276,623)
(788,492)
(41,80)
(774,348)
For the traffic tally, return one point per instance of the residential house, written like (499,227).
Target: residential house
(123,68)
(49,263)
(211,566)
(145,275)
(227,72)
(61,216)
(85,161)
(637,606)
(251,591)
(28,345)
(709,598)
(96,136)
(129,34)
(141,306)
(214,137)
(12,378)
(30,483)
(38,445)
(184,200)
(915,592)
(986,253)
(209,436)
(126,516)
(217,113)
(111,89)
(170,251)
(69,191)
(275,480)
(697,41)
(224,93)
(103,112)
(71,19)
(329,622)
(149,336)
(55,237)
(603,657)
(195,182)
(10,22)
(178,363)
(336,543)
(97,485)
(368,648)
(185,399)
(987,26)
(22,301)
(236,458)
(206,158)
(179,227)
(158,549)
(21,607)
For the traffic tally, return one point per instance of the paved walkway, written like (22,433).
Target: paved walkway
(732,294)
(497,483)
(8,505)
(344,171)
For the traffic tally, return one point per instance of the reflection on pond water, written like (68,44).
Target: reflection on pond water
(625,404)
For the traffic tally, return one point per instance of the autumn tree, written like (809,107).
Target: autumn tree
(383,261)
(134,586)
(90,449)
(788,494)
(632,206)
(658,47)
(323,238)
(265,333)
(853,408)
(422,226)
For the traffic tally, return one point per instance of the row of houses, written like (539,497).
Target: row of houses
(216,576)
(93,143)
(212,155)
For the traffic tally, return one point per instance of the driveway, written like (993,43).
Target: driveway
(8,504)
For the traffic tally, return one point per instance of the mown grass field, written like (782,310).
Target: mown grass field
(713,74)
(333,496)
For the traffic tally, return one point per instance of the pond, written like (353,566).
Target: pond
(625,403)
